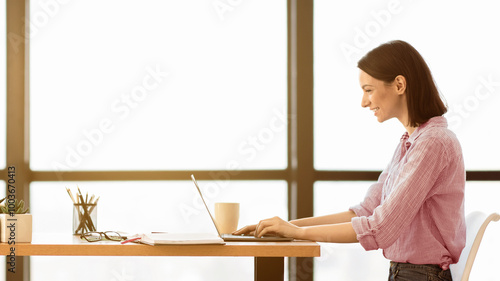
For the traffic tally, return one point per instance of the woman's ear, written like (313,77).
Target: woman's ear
(400,83)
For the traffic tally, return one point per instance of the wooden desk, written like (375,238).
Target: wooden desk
(268,256)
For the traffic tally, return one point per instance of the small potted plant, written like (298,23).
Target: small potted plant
(15,222)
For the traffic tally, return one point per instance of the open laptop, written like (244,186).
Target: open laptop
(230,237)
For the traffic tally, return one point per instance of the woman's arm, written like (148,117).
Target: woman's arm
(342,217)
(331,228)
(336,233)
(328,219)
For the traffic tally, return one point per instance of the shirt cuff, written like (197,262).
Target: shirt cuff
(364,235)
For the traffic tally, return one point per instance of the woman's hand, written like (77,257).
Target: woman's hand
(247,230)
(273,226)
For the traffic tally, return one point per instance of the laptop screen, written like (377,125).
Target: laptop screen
(204,203)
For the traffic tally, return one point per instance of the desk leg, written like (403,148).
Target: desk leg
(269,268)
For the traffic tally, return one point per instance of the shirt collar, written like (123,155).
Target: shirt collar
(438,121)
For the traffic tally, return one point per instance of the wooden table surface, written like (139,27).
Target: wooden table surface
(268,256)
(72,245)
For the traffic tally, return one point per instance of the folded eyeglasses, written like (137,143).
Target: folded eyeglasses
(95,236)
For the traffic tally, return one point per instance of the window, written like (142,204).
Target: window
(3,109)
(162,86)
(342,260)
(127,98)
(165,85)
(480,196)
(3,86)
(155,205)
(136,207)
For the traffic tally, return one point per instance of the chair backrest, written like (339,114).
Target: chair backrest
(476,223)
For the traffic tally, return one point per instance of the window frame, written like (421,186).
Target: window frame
(300,173)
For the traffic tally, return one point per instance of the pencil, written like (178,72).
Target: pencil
(70,195)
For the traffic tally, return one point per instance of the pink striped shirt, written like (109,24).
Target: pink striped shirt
(415,211)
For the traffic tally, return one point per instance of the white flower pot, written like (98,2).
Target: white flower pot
(16,228)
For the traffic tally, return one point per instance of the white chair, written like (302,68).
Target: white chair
(476,223)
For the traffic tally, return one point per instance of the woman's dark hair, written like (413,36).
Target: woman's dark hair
(400,58)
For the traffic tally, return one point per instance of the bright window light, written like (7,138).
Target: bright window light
(152,85)
(462,55)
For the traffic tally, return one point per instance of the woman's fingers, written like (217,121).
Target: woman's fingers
(269,226)
(247,230)
(277,227)
(267,230)
(273,226)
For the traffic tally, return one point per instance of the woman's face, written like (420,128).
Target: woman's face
(385,100)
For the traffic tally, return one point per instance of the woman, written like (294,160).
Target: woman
(415,211)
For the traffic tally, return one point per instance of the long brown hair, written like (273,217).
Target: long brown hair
(400,58)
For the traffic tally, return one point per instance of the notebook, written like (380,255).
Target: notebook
(230,237)
(176,238)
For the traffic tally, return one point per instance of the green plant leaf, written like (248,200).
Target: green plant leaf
(19,207)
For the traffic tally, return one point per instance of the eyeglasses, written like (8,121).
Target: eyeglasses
(98,236)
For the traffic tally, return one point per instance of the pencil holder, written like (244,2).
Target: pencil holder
(84,218)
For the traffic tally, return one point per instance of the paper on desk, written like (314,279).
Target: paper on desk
(162,238)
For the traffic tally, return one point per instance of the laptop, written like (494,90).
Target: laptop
(235,238)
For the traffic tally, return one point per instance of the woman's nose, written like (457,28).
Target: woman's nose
(365,101)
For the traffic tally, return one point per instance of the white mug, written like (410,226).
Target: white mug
(227,216)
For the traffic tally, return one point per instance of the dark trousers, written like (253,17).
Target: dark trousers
(417,272)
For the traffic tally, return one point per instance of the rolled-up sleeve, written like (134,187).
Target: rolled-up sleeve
(364,233)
